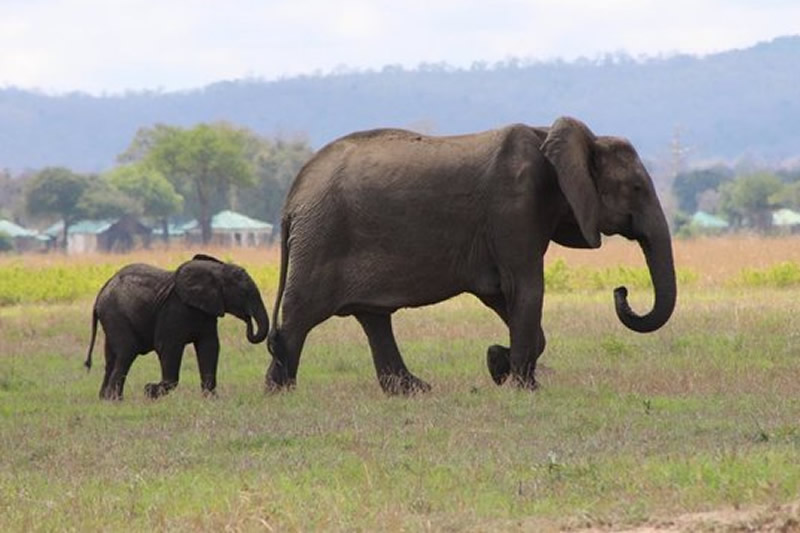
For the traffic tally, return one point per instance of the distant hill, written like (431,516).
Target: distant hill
(742,102)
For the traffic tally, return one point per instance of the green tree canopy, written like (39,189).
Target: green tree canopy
(789,196)
(749,200)
(103,200)
(154,194)
(202,163)
(57,191)
(276,164)
(688,186)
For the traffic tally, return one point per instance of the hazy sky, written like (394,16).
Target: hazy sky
(113,45)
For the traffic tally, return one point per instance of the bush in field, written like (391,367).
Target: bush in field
(559,277)
(783,274)
(22,284)
(64,283)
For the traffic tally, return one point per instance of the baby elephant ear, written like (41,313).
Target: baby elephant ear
(206,257)
(198,285)
(568,147)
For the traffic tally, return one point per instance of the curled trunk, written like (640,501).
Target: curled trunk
(259,315)
(658,254)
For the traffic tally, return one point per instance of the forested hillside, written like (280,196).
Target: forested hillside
(743,102)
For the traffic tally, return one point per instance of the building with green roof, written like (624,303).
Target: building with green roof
(112,235)
(24,239)
(786,218)
(229,228)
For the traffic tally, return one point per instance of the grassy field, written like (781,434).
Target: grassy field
(626,430)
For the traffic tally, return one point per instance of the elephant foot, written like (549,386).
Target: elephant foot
(525,382)
(274,387)
(406,384)
(110,395)
(498,359)
(277,379)
(157,390)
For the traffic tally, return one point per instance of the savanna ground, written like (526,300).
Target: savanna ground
(696,426)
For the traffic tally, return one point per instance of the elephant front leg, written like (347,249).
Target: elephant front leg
(207,350)
(170,359)
(393,375)
(498,358)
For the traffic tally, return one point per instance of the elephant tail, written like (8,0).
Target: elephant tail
(273,342)
(88,362)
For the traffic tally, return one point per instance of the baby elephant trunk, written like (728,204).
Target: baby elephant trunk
(258,313)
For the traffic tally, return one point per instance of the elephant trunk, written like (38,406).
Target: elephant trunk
(259,314)
(657,249)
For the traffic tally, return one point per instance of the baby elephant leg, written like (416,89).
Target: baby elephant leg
(207,350)
(170,359)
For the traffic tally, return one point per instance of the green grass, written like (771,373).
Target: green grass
(783,274)
(22,283)
(625,429)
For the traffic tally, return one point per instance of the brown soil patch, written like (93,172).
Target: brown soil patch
(784,519)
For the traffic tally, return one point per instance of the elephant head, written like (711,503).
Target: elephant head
(610,192)
(218,288)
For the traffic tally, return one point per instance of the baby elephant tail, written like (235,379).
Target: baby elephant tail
(88,362)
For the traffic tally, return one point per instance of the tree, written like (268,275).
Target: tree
(57,191)
(789,196)
(143,142)
(202,163)
(689,186)
(749,200)
(276,164)
(12,194)
(104,200)
(155,195)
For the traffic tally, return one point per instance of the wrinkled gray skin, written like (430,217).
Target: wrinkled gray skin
(385,219)
(144,308)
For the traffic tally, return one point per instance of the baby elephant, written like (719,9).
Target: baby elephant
(144,308)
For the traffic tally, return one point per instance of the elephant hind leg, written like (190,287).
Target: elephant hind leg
(300,314)
(116,379)
(287,344)
(111,359)
(393,375)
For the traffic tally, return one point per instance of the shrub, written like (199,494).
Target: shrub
(784,274)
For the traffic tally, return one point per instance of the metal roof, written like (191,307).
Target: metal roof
(707,220)
(231,220)
(82,226)
(173,230)
(15,230)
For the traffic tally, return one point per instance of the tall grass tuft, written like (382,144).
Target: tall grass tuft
(783,274)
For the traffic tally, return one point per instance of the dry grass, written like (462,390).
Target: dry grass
(714,259)
(158,255)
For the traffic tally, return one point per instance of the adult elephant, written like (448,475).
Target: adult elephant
(385,219)
(144,308)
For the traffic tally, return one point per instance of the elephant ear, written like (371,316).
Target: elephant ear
(198,285)
(206,257)
(568,147)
